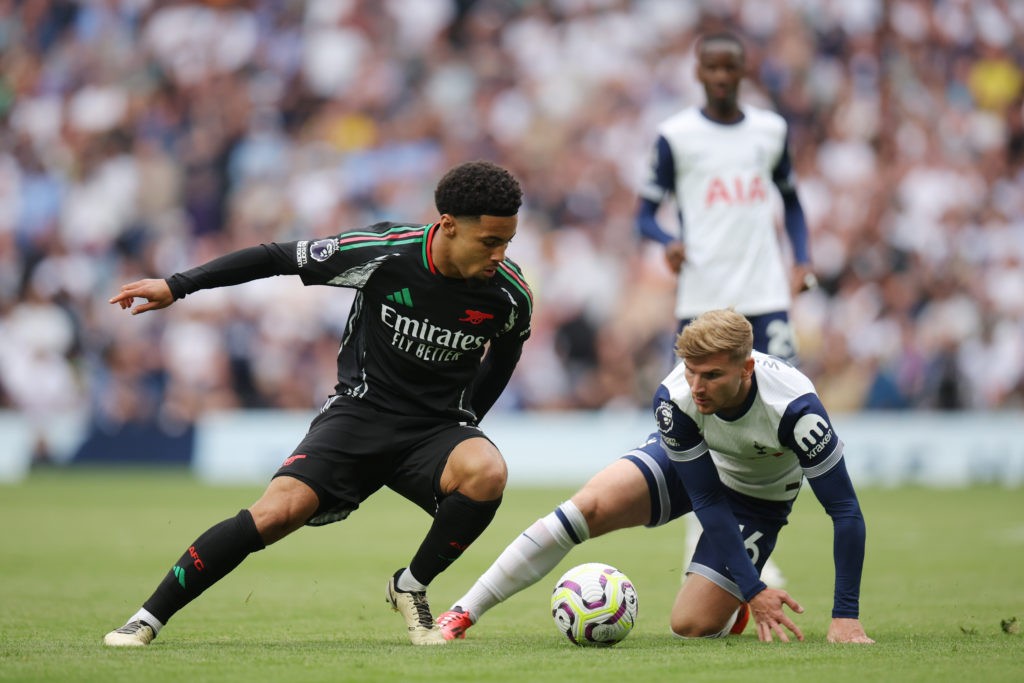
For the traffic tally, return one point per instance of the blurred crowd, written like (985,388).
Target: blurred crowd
(141,138)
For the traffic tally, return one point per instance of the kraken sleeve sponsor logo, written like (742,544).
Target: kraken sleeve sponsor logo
(300,253)
(813,434)
(321,250)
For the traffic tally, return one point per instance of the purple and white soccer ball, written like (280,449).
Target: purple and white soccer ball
(594,604)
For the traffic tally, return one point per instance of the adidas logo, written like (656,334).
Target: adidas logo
(401,297)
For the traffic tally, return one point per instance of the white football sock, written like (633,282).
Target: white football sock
(144,615)
(408,583)
(529,558)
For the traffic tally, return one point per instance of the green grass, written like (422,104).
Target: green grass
(81,550)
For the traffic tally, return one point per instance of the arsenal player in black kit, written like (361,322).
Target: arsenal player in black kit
(433,335)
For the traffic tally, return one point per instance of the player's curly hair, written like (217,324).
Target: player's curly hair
(478,188)
(714,332)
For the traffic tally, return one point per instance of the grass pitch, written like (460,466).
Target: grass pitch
(82,550)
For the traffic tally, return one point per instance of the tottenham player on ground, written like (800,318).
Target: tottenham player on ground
(739,430)
(435,330)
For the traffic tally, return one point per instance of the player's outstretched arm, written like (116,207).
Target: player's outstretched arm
(766,608)
(156,293)
(847,631)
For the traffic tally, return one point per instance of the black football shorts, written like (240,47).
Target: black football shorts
(351,450)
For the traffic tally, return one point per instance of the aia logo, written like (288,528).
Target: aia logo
(738,191)
(458,546)
(291,459)
(475,317)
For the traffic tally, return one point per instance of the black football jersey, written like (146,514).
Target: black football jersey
(414,339)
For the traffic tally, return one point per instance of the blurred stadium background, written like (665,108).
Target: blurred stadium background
(143,137)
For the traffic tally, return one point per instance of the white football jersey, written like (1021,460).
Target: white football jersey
(783,434)
(725,193)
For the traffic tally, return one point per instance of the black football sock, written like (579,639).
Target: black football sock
(213,555)
(457,523)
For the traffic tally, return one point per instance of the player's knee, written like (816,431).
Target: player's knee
(275,522)
(693,626)
(486,479)
(282,510)
(698,624)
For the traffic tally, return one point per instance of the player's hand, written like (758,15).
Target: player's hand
(675,255)
(156,293)
(766,608)
(847,631)
(803,278)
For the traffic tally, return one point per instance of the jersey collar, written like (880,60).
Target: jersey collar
(741,119)
(747,402)
(430,231)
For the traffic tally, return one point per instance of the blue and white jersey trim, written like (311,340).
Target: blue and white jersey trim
(827,464)
(688,454)
(655,477)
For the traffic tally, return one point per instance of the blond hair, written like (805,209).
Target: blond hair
(718,331)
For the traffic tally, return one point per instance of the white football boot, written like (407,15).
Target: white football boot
(133,634)
(415,609)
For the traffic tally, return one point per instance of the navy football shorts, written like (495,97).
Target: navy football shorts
(760,520)
(351,450)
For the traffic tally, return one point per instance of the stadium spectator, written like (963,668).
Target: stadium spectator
(127,159)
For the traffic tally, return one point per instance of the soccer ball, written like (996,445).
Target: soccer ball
(594,604)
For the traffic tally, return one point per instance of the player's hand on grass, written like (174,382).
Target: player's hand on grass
(847,631)
(766,608)
(155,292)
